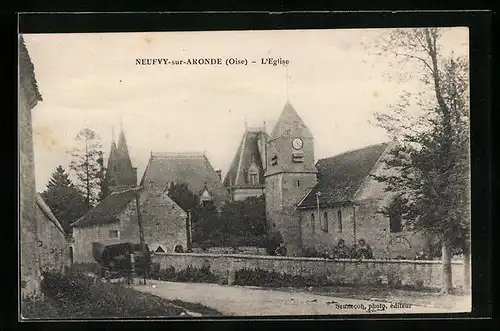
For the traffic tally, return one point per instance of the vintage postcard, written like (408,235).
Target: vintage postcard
(244,173)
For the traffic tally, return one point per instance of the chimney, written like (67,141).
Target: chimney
(219,173)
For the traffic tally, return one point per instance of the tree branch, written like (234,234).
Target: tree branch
(418,58)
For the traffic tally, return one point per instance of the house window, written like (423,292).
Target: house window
(313,222)
(113,233)
(160,250)
(339,219)
(274,160)
(298,183)
(253,179)
(395,223)
(324,226)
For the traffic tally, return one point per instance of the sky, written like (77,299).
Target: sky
(333,81)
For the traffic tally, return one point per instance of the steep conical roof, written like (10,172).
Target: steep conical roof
(290,124)
(113,154)
(122,150)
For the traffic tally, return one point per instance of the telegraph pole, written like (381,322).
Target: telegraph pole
(318,194)
(141,235)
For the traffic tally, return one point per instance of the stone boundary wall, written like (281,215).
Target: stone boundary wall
(420,274)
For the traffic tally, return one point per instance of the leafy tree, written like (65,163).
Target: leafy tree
(203,218)
(87,165)
(64,199)
(245,218)
(431,156)
(239,222)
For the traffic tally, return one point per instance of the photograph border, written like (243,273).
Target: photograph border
(478,23)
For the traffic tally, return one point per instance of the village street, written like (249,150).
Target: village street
(252,301)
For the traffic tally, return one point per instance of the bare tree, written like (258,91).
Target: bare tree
(87,165)
(432,131)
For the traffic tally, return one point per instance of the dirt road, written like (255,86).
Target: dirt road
(251,301)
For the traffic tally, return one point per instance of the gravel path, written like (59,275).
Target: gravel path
(251,301)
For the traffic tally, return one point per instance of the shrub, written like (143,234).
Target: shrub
(76,295)
(260,277)
(188,275)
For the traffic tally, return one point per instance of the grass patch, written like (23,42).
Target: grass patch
(75,296)
(196,307)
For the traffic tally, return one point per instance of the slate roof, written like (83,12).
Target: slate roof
(340,176)
(237,175)
(27,80)
(194,169)
(46,210)
(290,124)
(108,210)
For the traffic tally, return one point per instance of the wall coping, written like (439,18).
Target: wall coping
(310,259)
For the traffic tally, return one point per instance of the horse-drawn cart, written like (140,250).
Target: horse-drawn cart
(118,259)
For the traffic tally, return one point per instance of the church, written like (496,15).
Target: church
(314,204)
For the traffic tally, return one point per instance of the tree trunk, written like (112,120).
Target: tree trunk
(467,258)
(447,284)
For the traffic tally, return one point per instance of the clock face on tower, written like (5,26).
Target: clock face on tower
(297,143)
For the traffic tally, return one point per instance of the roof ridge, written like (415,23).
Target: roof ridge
(355,150)
(46,209)
(178,154)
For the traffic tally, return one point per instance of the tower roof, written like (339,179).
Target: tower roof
(112,156)
(120,171)
(122,150)
(290,123)
(248,153)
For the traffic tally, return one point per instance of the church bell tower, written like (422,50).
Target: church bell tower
(290,174)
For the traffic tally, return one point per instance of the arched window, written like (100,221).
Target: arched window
(325,222)
(313,227)
(178,249)
(339,219)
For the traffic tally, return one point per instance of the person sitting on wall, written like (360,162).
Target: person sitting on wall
(363,250)
(281,250)
(341,251)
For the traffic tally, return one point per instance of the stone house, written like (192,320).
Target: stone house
(165,224)
(29,96)
(245,177)
(316,204)
(42,243)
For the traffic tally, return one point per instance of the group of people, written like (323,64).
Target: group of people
(360,251)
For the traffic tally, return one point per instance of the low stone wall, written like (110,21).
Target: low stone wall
(419,274)
(243,250)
